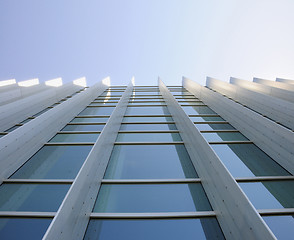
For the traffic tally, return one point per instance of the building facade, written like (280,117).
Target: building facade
(148,162)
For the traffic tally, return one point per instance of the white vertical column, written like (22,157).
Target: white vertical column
(73,215)
(281,85)
(277,109)
(18,146)
(276,140)
(17,111)
(272,91)
(237,217)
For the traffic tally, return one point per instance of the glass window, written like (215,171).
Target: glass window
(270,194)
(97,111)
(148,127)
(151,198)
(133,100)
(148,137)
(94,120)
(281,226)
(197,110)
(224,136)
(110,93)
(214,126)
(145,93)
(247,160)
(155,229)
(32,197)
(157,162)
(207,119)
(75,137)
(54,162)
(182,93)
(147,111)
(23,228)
(147,119)
(27,120)
(192,104)
(41,112)
(146,96)
(85,127)
(185,100)
(183,96)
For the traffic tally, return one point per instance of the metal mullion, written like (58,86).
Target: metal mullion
(102,106)
(212,122)
(189,105)
(86,123)
(150,105)
(27,214)
(48,181)
(147,115)
(148,131)
(220,131)
(78,132)
(276,212)
(203,115)
(148,143)
(231,142)
(148,123)
(69,144)
(150,181)
(265,178)
(92,116)
(153,215)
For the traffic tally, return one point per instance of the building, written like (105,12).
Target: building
(148,162)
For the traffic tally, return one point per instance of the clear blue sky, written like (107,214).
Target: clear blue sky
(146,39)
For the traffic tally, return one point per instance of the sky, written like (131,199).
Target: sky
(146,39)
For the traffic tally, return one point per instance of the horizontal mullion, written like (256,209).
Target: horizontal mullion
(148,143)
(27,214)
(93,116)
(69,144)
(86,123)
(194,105)
(264,178)
(78,132)
(150,181)
(102,106)
(148,131)
(148,115)
(147,122)
(56,181)
(149,105)
(231,142)
(212,122)
(220,131)
(203,115)
(276,212)
(152,215)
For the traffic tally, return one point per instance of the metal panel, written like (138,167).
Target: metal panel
(277,109)
(73,215)
(18,146)
(238,218)
(17,111)
(280,85)
(285,80)
(272,91)
(272,138)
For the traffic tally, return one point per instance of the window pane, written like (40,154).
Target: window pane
(148,137)
(147,111)
(151,198)
(75,137)
(207,119)
(192,103)
(270,194)
(247,160)
(12,128)
(197,110)
(148,127)
(97,111)
(145,93)
(282,226)
(172,229)
(148,119)
(103,104)
(54,162)
(23,228)
(83,128)
(32,197)
(148,99)
(157,162)
(224,136)
(94,120)
(213,126)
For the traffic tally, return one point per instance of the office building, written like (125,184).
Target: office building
(148,162)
